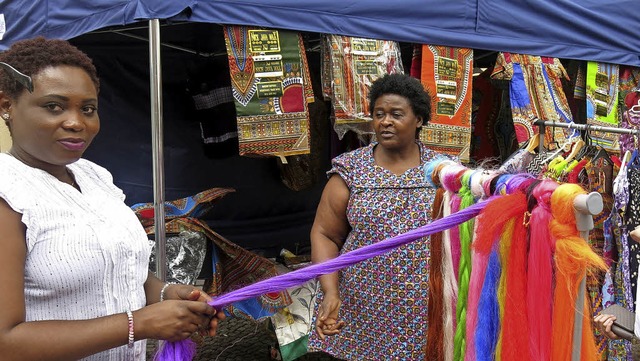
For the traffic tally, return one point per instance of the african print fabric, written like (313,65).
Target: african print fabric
(195,206)
(602,102)
(536,92)
(383,205)
(235,267)
(355,63)
(446,74)
(271,89)
(232,266)
(600,179)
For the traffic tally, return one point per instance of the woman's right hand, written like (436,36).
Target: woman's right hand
(172,320)
(327,322)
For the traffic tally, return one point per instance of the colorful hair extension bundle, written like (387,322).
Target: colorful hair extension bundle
(573,259)
(495,229)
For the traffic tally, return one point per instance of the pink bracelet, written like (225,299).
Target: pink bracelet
(131,338)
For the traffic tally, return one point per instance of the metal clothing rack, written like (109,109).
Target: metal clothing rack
(588,127)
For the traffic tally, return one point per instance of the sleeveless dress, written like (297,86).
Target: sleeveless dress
(385,297)
(87,253)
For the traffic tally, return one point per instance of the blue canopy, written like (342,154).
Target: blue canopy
(599,30)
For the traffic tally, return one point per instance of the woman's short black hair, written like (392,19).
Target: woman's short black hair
(406,86)
(33,55)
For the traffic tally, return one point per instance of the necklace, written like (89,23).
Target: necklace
(73,179)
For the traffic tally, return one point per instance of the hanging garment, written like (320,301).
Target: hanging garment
(535,92)
(213,107)
(446,74)
(355,64)
(271,89)
(600,179)
(630,120)
(620,350)
(602,102)
(486,101)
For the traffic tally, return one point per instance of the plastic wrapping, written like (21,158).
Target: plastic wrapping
(185,255)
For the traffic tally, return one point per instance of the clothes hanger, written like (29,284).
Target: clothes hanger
(533,144)
(577,146)
(635,109)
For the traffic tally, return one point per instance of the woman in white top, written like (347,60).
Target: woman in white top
(74,274)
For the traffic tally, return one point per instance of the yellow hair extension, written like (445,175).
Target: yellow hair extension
(505,247)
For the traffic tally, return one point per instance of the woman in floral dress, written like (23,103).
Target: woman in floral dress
(376,310)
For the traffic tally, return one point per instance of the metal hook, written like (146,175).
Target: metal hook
(21,78)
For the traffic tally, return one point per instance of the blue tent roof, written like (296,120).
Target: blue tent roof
(601,30)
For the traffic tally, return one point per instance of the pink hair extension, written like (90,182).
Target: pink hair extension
(450,177)
(540,276)
(479,263)
(454,234)
(450,286)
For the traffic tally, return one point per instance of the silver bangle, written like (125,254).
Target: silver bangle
(131,335)
(164,288)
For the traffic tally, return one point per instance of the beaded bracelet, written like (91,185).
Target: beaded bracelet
(131,338)
(164,288)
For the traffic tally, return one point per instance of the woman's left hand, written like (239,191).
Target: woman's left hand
(190,293)
(603,323)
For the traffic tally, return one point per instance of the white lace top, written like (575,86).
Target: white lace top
(87,253)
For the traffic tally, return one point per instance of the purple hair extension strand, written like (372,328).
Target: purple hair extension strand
(179,351)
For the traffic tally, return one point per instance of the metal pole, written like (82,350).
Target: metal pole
(585,207)
(157,148)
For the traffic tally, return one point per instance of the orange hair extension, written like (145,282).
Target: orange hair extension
(573,258)
(434,347)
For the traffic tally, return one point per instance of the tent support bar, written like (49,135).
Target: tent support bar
(181,48)
(158,148)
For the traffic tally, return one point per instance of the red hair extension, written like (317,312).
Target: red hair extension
(434,347)
(573,258)
(493,218)
(515,326)
(540,272)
